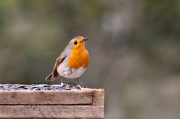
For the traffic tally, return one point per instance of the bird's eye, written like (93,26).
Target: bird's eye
(75,42)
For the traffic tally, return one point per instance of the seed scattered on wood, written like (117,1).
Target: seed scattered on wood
(40,87)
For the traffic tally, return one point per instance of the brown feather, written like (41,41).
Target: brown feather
(54,75)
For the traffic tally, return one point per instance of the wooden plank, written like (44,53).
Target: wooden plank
(22,111)
(97,95)
(46,97)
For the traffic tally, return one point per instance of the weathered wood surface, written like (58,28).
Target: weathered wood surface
(65,104)
(97,96)
(51,111)
(46,97)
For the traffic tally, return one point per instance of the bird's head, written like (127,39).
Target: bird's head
(77,43)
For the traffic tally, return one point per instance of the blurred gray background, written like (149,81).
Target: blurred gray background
(134,48)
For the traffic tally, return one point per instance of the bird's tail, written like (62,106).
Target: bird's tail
(52,77)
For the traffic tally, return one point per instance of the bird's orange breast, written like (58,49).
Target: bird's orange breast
(79,58)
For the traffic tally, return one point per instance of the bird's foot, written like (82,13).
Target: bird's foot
(78,87)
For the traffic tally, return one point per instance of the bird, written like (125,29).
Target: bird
(72,62)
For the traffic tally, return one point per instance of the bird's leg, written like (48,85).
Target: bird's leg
(61,81)
(80,82)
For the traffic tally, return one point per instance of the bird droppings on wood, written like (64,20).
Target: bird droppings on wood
(39,87)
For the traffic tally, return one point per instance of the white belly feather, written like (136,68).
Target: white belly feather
(76,73)
(67,72)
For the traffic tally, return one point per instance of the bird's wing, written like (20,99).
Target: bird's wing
(54,75)
(59,60)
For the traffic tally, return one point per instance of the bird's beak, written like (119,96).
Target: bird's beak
(84,39)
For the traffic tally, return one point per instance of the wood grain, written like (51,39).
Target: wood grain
(65,104)
(46,97)
(97,96)
(23,111)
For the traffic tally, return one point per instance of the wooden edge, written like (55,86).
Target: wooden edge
(97,96)
(23,111)
(53,118)
(46,97)
(87,96)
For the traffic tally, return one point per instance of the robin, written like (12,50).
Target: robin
(72,62)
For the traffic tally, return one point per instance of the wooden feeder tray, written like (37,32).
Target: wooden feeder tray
(52,104)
